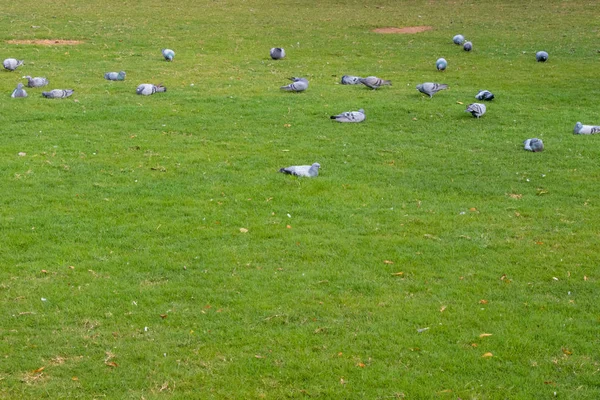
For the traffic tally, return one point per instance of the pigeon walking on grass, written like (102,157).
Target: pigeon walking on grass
(277,53)
(350,116)
(534,145)
(308,171)
(12,63)
(476,109)
(115,76)
(374,82)
(19,91)
(484,95)
(298,85)
(168,54)
(58,93)
(351,80)
(430,88)
(36,82)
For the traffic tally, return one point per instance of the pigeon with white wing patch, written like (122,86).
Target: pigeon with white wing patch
(147,89)
(534,145)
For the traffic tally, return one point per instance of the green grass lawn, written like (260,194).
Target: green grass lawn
(431,258)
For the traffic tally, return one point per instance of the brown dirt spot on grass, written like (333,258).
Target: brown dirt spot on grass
(46,42)
(406,29)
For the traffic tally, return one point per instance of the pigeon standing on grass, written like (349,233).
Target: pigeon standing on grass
(441,64)
(19,91)
(168,54)
(308,171)
(36,82)
(58,93)
(277,53)
(374,82)
(458,39)
(484,95)
(115,76)
(430,88)
(476,109)
(12,63)
(350,116)
(581,129)
(468,46)
(146,89)
(534,145)
(298,85)
(541,56)
(351,80)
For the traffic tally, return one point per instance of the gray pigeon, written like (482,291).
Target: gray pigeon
(115,76)
(350,116)
(146,89)
(430,88)
(541,56)
(458,39)
(298,85)
(19,91)
(351,80)
(581,129)
(476,109)
(302,170)
(168,54)
(58,93)
(534,145)
(277,53)
(484,95)
(468,46)
(374,82)
(36,82)
(12,63)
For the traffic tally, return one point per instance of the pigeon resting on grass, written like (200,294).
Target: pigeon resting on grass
(441,64)
(36,82)
(458,39)
(168,54)
(298,85)
(146,89)
(374,82)
(277,53)
(58,93)
(19,91)
(541,56)
(351,80)
(484,95)
(468,46)
(430,88)
(350,116)
(534,145)
(308,171)
(581,129)
(115,76)
(476,109)
(12,63)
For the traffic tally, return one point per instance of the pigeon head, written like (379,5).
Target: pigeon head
(578,127)
(361,111)
(419,86)
(316,165)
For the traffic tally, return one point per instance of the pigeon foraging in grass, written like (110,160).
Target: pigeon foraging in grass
(541,56)
(308,171)
(374,82)
(468,46)
(350,116)
(476,109)
(58,93)
(430,88)
(277,53)
(441,64)
(298,85)
(19,91)
(36,82)
(581,129)
(534,145)
(168,54)
(147,89)
(484,95)
(351,80)
(115,76)
(12,63)
(458,39)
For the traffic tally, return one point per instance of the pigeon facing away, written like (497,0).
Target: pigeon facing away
(12,63)
(277,53)
(484,95)
(541,56)
(476,109)
(308,171)
(146,89)
(374,82)
(351,80)
(350,116)
(430,88)
(36,82)
(581,129)
(458,39)
(468,46)
(19,91)
(298,85)
(441,64)
(58,93)
(168,54)
(534,145)
(115,76)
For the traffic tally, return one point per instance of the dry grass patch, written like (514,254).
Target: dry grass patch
(45,42)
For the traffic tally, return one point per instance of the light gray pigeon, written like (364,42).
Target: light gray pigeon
(115,76)
(350,116)
(534,145)
(19,91)
(476,109)
(58,93)
(277,53)
(468,46)
(351,80)
(168,54)
(12,63)
(430,88)
(298,85)
(36,82)
(581,129)
(308,171)
(484,95)
(458,39)
(374,82)
(146,89)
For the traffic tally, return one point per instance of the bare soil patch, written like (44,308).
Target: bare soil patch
(406,29)
(46,42)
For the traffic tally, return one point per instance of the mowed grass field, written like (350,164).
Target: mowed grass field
(431,258)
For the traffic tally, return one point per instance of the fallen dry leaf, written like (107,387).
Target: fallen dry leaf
(398,273)
(474,344)
(585,278)
(488,354)
(258,356)
(39,370)
(483,301)
(459,102)
(44,271)
(288,226)
(515,196)
(163,316)
(342,381)
(361,365)
(74,378)
(485,335)
(243,230)
(164,386)
(112,364)
(567,352)
(442,308)
(387,262)
(472,209)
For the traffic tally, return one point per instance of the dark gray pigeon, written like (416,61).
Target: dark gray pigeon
(431,88)
(351,80)
(534,145)
(12,63)
(277,53)
(308,171)
(541,56)
(36,82)
(58,93)
(374,82)
(484,95)
(581,129)
(19,91)
(168,54)
(468,46)
(298,85)
(476,109)
(115,76)
(146,89)
(350,116)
